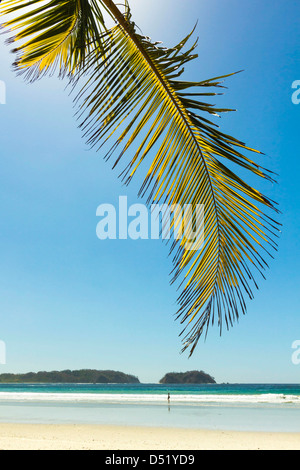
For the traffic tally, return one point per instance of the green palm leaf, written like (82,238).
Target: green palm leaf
(59,34)
(161,125)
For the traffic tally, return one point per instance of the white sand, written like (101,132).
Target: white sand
(90,437)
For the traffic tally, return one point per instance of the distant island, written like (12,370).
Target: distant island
(71,376)
(190,377)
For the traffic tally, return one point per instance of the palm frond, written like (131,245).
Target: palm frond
(163,125)
(58,34)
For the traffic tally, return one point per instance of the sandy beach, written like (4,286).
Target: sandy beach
(94,437)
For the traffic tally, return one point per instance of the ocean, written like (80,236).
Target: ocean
(248,407)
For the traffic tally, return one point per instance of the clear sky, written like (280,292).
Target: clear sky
(69,300)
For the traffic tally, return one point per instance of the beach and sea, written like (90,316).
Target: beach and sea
(139,416)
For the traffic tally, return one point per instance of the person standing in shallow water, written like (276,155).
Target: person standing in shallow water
(168,398)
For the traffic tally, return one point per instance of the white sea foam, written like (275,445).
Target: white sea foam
(149,398)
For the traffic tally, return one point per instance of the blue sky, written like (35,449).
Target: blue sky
(69,300)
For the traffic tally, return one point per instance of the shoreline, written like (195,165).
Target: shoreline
(19,436)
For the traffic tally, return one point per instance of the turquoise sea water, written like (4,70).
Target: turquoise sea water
(257,407)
